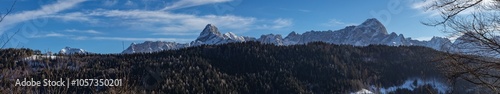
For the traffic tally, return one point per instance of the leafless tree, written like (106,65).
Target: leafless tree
(5,39)
(475,54)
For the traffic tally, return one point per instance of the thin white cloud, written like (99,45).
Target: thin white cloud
(129,3)
(278,24)
(79,38)
(142,39)
(422,5)
(281,23)
(425,38)
(76,37)
(54,8)
(70,33)
(304,10)
(190,3)
(168,23)
(295,10)
(90,31)
(335,22)
(51,34)
(110,2)
(54,35)
(172,23)
(75,16)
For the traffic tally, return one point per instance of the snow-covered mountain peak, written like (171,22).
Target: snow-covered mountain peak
(208,33)
(69,50)
(372,25)
(211,35)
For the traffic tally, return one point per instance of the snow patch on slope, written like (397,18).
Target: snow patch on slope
(408,84)
(363,91)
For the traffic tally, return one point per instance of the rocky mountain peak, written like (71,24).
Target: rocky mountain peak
(271,39)
(373,24)
(209,32)
(293,33)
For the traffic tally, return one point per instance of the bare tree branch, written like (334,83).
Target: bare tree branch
(8,39)
(2,17)
(9,10)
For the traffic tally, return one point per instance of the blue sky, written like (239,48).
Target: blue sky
(102,25)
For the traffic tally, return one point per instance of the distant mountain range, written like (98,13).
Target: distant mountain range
(69,50)
(369,32)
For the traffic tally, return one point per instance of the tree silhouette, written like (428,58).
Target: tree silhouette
(475,56)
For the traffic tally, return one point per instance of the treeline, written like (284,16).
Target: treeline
(248,67)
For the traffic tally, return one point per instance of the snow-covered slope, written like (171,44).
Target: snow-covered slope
(150,46)
(69,50)
(363,91)
(369,32)
(411,84)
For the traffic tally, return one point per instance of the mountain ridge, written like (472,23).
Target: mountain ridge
(371,31)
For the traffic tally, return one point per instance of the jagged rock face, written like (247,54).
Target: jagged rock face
(249,38)
(372,25)
(292,38)
(271,39)
(209,33)
(369,32)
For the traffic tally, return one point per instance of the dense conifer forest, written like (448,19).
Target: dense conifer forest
(248,67)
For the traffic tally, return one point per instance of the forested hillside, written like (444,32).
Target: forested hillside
(248,67)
